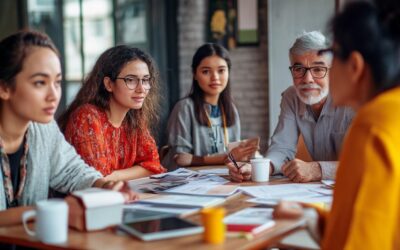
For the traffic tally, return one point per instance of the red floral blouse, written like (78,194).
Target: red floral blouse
(107,148)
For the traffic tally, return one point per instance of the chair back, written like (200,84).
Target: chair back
(302,152)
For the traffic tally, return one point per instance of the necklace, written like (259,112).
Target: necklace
(213,136)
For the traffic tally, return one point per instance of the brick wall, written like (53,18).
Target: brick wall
(192,16)
(249,75)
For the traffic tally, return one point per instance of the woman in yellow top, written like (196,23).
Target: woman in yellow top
(365,75)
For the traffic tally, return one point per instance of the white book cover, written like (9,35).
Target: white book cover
(103,208)
(98,197)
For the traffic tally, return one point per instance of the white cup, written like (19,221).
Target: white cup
(260,169)
(51,225)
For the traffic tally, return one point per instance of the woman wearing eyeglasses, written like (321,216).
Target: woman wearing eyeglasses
(108,121)
(201,125)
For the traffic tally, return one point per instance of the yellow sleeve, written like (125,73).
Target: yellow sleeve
(375,218)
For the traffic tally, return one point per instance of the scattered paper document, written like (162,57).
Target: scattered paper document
(216,171)
(180,211)
(204,189)
(186,182)
(181,172)
(208,185)
(272,202)
(183,201)
(328,183)
(291,192)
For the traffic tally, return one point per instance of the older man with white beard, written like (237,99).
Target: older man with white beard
(306,109)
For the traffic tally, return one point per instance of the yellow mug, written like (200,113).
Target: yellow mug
(214,227)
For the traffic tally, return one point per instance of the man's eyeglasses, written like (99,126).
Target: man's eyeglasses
(316,71)
(132,82)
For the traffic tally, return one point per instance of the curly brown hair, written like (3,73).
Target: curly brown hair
(110,64)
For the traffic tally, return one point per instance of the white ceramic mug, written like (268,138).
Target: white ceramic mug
(51,225)
(260,169)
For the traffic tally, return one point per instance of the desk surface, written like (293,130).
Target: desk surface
(109,239)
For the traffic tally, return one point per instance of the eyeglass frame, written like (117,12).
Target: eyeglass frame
(138,80)
(308,69)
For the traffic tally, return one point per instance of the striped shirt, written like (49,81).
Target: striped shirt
(323,136)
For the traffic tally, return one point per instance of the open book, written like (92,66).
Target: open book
(250,220)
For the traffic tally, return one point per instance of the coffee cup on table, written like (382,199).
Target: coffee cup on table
(51,223)
(260,169)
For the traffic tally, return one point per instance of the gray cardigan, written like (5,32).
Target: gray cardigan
(186,135)
(52,162)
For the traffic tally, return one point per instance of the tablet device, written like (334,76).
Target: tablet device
(161,228)
(134,215)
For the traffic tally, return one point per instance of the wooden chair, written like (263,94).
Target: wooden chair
(302,152)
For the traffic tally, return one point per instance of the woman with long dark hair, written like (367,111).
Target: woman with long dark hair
(201,125)
(108,121)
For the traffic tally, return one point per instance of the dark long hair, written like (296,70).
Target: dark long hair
(110,64)
(197,94)
(373,31)
(15,48)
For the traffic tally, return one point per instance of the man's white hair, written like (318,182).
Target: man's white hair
(308,41)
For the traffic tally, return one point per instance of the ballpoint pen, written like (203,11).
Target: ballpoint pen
(230,156)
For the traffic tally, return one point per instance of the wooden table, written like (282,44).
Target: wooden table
(110,239)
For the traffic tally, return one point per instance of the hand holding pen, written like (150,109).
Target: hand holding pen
(232,159)
(238,172)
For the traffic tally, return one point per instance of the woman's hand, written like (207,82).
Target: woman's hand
(183,159)
(244,152)
(241,174)
(123,187)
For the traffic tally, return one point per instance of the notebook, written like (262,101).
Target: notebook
(252,220)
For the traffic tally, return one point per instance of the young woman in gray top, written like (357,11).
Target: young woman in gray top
(202,124)
(34,155)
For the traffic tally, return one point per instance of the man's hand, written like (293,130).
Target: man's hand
(241,174)
(300,171)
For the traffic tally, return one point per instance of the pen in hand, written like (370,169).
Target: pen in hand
(230,156)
